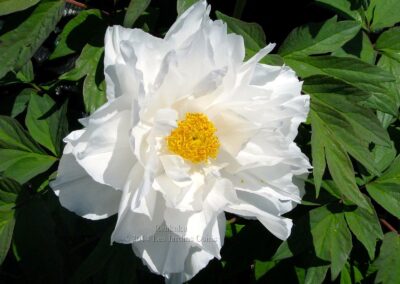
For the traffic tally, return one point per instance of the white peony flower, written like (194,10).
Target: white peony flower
(189,131)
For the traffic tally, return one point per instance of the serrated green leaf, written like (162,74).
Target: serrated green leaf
(135,9)
(347,8)
(388,260)
(331,237)
(383,14)
(316,274)
(183,5)
(389,43)
(340,126)
(319,38)
(8,195)
(85,64)
(271,59)
(13,136)
(22,165)
(360,47)
(26,74)
(18,45)
(342,173)
(366,77)
(89,23)
(20,157)
(393,66)
(94,94)
(252,33)
(12,6)
(46,122)
(366,227)
(90,64)
(386,189)
(383,156)
(21,102)
(349,273)
(317,152)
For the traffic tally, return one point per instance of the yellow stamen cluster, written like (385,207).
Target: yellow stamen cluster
(194,139)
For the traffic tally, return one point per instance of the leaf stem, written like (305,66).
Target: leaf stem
(387,225)
(77,4)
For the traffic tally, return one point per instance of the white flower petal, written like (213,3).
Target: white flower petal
(79,193)
(172,255)
(188,23)
(152,83)
(134,225)
(278,226)
(103,149)
(196,260)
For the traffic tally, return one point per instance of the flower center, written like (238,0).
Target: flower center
(194,139)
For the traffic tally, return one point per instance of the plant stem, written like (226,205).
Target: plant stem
(387,225)
(77,4)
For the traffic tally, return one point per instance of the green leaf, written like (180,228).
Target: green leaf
(232,229)
(360,47)
(383,156)
(344,7)
(183,5)
(365,226)
(366,77)
(349,273)
(20,157)
(317,152)
(8,195)
(253,34)
(94,94)
(331,238)
(386,189)
(22,166)
(262,267)
(389,43)
(319,38)
(342,173)
(46,122)
(135,9)
(18,45)
(26,74)
(21,102)
(340,126)
(383,13)
(89,23)
(393,66)
(90,64)
(388,261)
(272,59)
(13,136)
(11,6)
(316,274)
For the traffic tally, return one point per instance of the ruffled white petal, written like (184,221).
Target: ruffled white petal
(137,221)
(79,193)
(103,148)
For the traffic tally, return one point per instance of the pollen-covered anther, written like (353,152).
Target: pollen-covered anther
(194,139)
